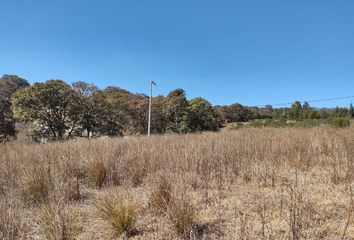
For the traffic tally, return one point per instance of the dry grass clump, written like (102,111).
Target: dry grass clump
(72,190)
(10,220)
(182,214)
(137,175)
(118,212)
(300,212)
(173,204)
(97,173)
(57,221)
(161,196)
(35,188)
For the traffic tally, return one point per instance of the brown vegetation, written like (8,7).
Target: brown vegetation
(245,184)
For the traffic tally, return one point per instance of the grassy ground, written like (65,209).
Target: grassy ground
(283,183)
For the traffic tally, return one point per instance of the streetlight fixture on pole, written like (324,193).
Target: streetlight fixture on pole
(150,106)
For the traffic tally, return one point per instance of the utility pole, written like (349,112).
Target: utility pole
(150,106)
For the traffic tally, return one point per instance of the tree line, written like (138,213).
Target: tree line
(56,110)
(59,111)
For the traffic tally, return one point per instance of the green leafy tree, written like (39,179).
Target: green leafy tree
(202,116)
(53,106)
(266,112)
(340,112)
(9,84)
(7,123)
(90,112)
(111,115)
(323,113)
(84,89)
(117,114)
(309,112)
(220,113)
(159,118)
(101,112)
(255,112)
(178,111)
(312,114)
(237,113)
(139,110)
(296,111)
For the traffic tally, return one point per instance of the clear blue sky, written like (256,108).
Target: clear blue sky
(249,51)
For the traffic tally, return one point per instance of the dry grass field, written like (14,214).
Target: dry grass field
(245,184)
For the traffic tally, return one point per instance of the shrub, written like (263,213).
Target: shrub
(118,212)
(307,123)
(273,123)
(339,122)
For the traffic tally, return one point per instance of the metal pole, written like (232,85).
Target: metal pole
(150,104)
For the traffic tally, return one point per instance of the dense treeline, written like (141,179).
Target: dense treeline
(55,110)
(58,111)
(9,84)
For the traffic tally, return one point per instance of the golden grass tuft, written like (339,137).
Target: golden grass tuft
(72,190)
(36,188)
(10,220)
(97,173)
(120,213)
(56,221)
(161,196)
(182,215)
(175,205)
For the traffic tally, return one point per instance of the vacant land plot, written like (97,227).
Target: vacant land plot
(245,184)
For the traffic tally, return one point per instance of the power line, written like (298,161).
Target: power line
(310,101)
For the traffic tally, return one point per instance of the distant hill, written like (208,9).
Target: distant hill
(10,84)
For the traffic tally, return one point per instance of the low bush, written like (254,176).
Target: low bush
(339,122)
(304,123)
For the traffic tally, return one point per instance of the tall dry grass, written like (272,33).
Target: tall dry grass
(246,184)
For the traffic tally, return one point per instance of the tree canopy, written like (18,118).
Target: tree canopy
(202,116)
(58,111)
(7,123)
(52,105)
